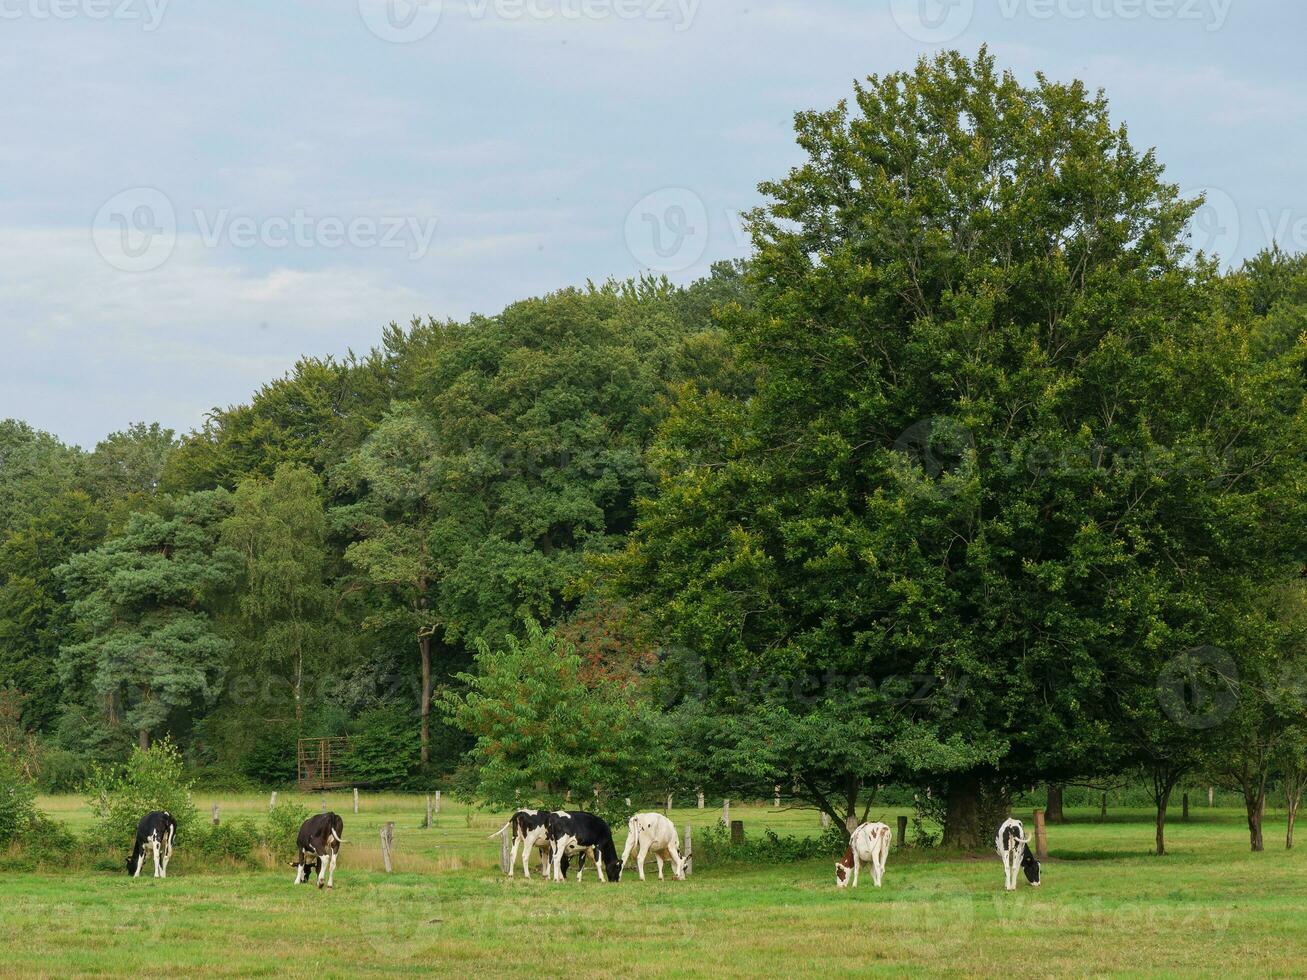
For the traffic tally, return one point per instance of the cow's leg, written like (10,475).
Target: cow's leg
(557,868)
(140,861)
(154,849)
(877,864)
(857,865)
(658,856)
(512,855)
(674,855)
(331,871)
(167,853)
(642,857)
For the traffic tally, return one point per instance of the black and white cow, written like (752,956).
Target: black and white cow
(577,832)
(1014,848)
(157,831)
(529,833)
(319,846)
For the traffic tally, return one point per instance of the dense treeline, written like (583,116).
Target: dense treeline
(972,479)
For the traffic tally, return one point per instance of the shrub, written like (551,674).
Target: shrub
(62,771)
(234,839)
(714,844)
(152,779)
(17,795)
(271,759)
(384,748)
(283,827)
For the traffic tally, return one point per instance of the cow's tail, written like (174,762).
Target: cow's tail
(500,831)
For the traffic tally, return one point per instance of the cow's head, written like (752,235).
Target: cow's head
(678,871)
(613,869)
(133,861)
(844,868)
(306,868)
(1030,866)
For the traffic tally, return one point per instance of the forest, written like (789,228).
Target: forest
(972,479)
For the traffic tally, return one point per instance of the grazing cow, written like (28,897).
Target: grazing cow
(528,828)
(1014,848)
(577,832)
(647,832)
(157,831)
(319,846)
(869,843)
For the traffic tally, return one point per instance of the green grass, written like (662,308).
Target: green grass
(1107,907)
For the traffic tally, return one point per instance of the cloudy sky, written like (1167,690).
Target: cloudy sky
(193,192)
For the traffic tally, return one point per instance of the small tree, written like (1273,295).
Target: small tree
(152,779)
(16,799)
(538,723)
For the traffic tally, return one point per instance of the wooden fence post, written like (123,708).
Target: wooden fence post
(1102,813)
(437,801)
(689,850)
(1211,796)
(669,802)
(504,854)
(903,831)
(387,842)
(356,799)
(429,820)
(726,813)
(1041,836)
(737,832)
(700,799)
(272,803)
(776,800)
(215,814)
(324,804)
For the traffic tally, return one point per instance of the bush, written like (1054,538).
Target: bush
(383,748)
(62,771)
(271,759)
(282,829)
(714,844)
(235,839)
(152,779)
(17,795)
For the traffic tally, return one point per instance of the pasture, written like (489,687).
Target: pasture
(1106,906)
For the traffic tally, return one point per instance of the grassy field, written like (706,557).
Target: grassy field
(1106,907)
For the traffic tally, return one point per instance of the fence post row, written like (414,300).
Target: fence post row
(1041,836)
(726,813)
(689,850)
(272,803)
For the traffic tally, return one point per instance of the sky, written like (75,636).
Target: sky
(195,193)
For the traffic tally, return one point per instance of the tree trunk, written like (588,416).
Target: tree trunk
(424,644)
(1254,807)
(1293,796)
(1053,812)
(143,739)
(1162,801)
(962,812)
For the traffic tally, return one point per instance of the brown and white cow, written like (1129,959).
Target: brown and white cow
(647,832)
(868,844)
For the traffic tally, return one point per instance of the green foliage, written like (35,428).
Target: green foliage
(382,750)
(283,827)
(152,779)
(62,771)
(17,796)
(232,839)
(713,846)
(535,719)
